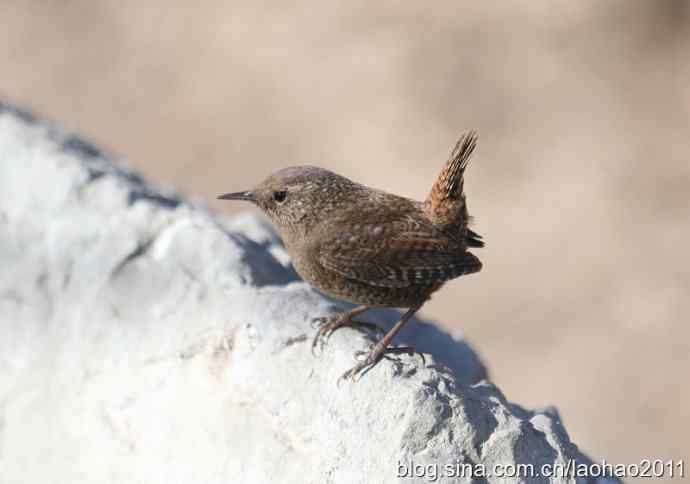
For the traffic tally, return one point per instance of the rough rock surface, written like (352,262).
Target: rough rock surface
(144,340)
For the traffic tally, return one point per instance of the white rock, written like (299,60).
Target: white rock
(143,341)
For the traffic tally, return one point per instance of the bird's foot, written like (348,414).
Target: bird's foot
(328,325)
(374,356)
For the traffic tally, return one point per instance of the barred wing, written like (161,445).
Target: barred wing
(397,260)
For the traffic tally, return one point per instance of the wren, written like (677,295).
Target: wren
(370,247)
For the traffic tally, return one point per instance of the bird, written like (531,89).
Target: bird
(370,247)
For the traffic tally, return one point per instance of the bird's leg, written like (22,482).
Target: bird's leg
(381,348)
(340,320)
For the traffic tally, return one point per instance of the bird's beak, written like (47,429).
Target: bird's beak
(248,196)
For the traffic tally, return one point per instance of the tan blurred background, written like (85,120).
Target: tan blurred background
(580,183)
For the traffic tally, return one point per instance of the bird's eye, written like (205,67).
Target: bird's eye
(280,196)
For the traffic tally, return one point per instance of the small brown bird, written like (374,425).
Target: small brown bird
(370,247)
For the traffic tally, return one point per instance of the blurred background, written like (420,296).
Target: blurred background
(579,184)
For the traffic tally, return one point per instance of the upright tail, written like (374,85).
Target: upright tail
(446,206)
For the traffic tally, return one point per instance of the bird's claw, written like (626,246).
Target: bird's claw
(328,325)
(324,332)
(318,322)
(356,372)
(373,357)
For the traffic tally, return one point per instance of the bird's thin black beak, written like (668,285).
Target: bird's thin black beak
(249,196)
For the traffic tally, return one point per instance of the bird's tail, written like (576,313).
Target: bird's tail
(445,205)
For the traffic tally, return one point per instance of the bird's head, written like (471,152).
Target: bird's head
(297,198)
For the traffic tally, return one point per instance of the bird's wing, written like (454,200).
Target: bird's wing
(385,255)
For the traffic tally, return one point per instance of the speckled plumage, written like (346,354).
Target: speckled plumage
(367,246)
